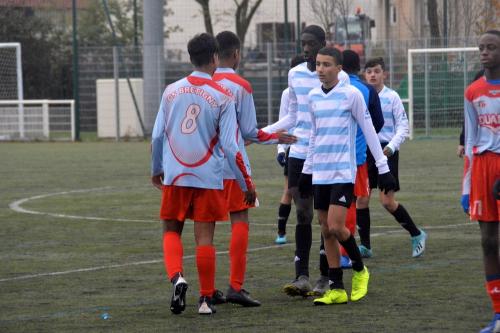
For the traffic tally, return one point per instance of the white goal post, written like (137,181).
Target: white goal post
(37,119)
(11,77)
(442,74)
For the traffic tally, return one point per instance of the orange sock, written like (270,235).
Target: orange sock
(493,289)
(205,261)
(238,254)
(350,223)
(172,253)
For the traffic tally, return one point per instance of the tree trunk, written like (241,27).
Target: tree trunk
(242,19)
(207,18)
(432,15)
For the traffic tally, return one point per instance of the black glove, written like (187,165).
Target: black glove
(281,158)
(496,190)
(305,185)
(386,182)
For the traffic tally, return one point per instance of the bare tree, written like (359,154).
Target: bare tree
(343,9)
(244,14)
(205,7)
(245,10)
(433,17)
(325,11)
(490,10)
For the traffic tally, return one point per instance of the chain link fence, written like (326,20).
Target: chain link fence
(439,80)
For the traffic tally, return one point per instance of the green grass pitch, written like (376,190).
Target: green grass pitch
(61,269)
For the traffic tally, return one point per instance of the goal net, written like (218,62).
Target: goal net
(37,119)
(437,79)
(11,79)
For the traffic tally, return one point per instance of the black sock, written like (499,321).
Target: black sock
(323,261)
(303,240)
(352,250)
(335,277)
(363,222)
(403,218)
(283,213)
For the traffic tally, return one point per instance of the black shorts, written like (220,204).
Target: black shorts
(334,194)
(392,161)
(294,170)
(285,169)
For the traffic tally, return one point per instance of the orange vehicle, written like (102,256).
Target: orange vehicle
(352,32)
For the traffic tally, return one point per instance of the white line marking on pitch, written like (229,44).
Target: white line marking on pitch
(147,262)
(16,206)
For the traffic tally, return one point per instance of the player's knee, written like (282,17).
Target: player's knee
(304,216)
(336,231)
(362,202)
(490,245)
(389,204)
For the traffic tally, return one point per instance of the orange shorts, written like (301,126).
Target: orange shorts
(235,198)
(198,204)
(361,185)
(485,171)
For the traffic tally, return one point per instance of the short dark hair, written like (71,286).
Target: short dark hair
(297,60)
(374,62)
(332,52)
(315,30)
(201,49)
(351,62)
(493,32)
(228,43)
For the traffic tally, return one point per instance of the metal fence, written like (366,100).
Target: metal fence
(265,66)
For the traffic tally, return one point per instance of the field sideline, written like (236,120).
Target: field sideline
(80,237)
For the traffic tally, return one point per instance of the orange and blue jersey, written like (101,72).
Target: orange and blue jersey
(246,117)
(482,121)
(193,132)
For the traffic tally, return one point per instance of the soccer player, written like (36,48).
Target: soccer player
(282,157)
(301,79)
(482,147)
(336,109)
(351,65)
(194,130)
(392,135)
(241,90)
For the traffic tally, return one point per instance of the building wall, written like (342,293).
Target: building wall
(188,16)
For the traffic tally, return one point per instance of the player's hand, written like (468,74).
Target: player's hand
(157,181)
(388,151)
(305,185)
(386,182)
(496,190)
(281,158)
(460,151)
(285,138)
(465,203)
(250,196)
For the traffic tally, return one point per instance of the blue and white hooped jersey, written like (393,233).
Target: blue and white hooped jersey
(335,116)
(300,81)
(193,131)
(395,129)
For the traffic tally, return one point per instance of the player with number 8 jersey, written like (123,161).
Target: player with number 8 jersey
(193,132)
(195,121)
